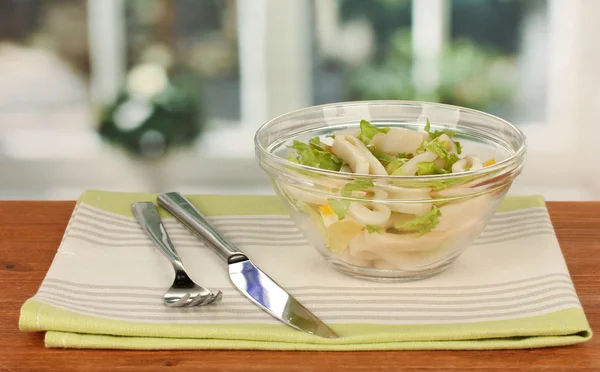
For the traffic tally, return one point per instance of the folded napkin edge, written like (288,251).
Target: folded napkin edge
(55,339)
(38,316)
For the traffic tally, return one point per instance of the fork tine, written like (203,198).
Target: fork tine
(198,300)
(149,219)
(207,300)
(180,302)
(216,298)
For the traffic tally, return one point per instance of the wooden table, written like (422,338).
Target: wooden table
(30,233)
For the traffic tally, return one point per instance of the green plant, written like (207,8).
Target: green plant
(155,111)
(471,75)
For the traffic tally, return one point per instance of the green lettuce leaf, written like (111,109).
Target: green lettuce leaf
(358,185)
(393,168)
(458,147)
(340,207)
(316,144)
(313,155)
(384,158)
(440,148)
(437,133)
(374,229)
(428,167)
(422,224)
(368,131)
(450,160)
(293,159)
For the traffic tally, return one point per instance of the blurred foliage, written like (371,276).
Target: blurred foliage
(489,22)
(471,76)
(194,42)
(386,16)
(478,69)
(149,126)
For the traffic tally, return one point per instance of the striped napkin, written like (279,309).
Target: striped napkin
(104,289)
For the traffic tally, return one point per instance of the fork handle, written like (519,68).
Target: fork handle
(149,219)
(191,218)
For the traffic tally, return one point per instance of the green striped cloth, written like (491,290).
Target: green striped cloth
(104,289)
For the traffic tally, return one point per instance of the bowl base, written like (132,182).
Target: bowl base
(396,275)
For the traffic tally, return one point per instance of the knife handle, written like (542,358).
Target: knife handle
(191,218)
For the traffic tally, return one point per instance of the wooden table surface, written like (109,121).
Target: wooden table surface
(30,233)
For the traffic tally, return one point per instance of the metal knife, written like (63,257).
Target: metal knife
(245,276)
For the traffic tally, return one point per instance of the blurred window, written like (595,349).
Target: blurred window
(73,69)
(487,55)
(200,36)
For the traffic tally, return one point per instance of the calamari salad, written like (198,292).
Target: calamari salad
(378,223)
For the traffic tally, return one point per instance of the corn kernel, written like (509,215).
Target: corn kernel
(492,161)
(326,209)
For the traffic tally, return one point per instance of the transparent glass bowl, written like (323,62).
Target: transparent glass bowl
(466,201)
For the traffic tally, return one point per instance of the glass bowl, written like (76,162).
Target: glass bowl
(354,227)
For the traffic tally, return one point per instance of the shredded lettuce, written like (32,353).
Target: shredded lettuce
(458,147)
(308,173)
(313,155)
(316,144)
(437,133)
(374,229)
(450,160)
(422,224)
(391,163)
(368,131)
(384,158)
(291,157)
(340,207)
(393,168)
(428,167)
(440,148)
(358,185)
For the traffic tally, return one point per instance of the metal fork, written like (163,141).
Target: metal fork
(183,292)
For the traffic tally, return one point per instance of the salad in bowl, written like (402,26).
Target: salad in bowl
(390,190)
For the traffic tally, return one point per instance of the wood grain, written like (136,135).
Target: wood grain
(30,233)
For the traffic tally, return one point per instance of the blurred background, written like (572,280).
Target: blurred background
(158,95)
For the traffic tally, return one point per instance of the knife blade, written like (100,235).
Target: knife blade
(247,278)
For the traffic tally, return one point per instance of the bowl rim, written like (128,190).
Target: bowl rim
(518,154)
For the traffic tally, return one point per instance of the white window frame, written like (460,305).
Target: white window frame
(270,63)
(106,36)
(562,149)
